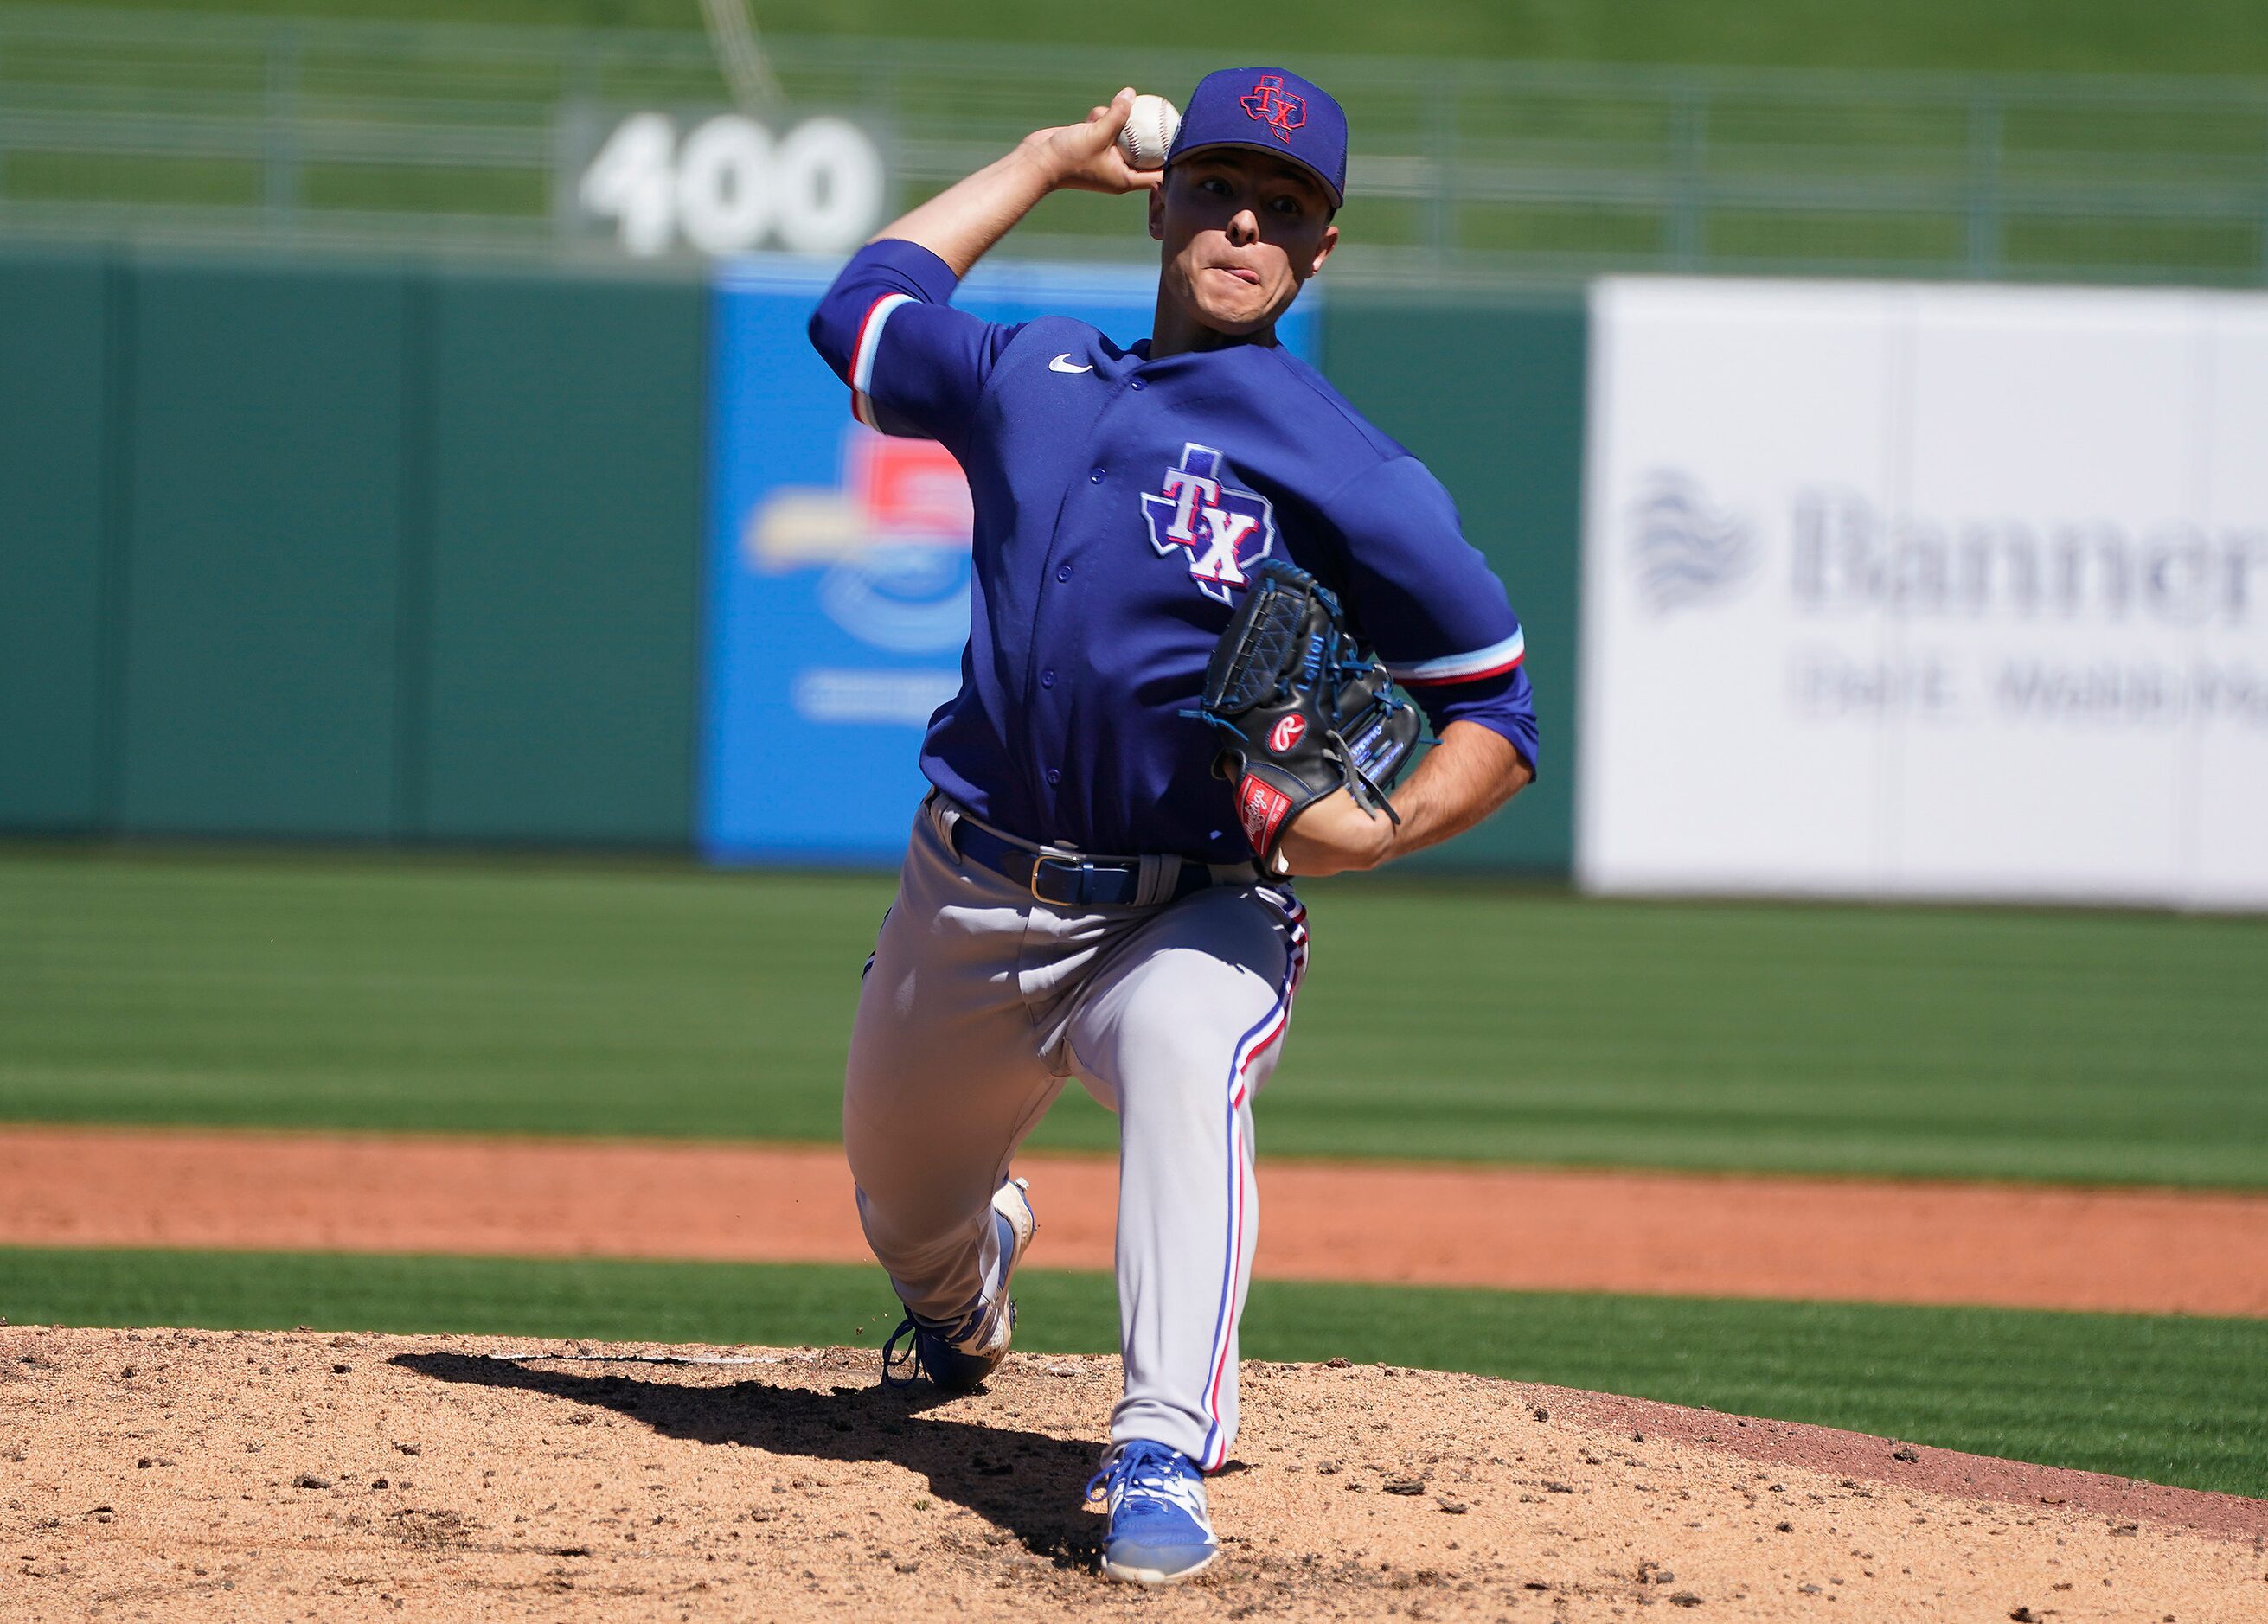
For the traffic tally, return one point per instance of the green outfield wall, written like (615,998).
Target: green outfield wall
(558,642)
(56,360)
(1490,393)
(261,509)
(321,551)
(406,553)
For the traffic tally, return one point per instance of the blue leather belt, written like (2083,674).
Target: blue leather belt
(1067,882)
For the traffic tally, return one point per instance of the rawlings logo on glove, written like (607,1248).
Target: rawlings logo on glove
(1304,712)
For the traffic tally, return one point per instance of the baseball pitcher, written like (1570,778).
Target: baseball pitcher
(1196,569)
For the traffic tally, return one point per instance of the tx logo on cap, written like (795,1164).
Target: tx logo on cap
(1268,103)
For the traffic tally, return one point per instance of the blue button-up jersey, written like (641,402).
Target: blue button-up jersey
(1121,504)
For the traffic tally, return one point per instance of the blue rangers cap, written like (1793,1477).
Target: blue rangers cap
(1270,111)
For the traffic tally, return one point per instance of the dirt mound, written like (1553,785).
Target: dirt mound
(162,1475)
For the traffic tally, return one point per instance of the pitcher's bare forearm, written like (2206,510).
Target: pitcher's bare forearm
(1470,773)
(961,223)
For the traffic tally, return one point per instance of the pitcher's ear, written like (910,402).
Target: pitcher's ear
(1158,210)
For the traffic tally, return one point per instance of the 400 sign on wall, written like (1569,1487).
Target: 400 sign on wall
(1926,592)
(723,184)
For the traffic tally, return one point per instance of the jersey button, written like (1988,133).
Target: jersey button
(1139,384)
(1055,774)
(1064,574)
(1047,678)
(1095,478)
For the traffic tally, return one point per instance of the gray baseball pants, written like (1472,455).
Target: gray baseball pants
(980,1003)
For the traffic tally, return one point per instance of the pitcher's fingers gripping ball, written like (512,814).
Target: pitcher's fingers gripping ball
(1149,133)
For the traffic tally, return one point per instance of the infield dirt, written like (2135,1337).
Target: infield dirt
(2134,1251)
(176,1474)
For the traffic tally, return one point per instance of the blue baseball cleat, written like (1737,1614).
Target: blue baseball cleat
(1160,1533)
(957,1356)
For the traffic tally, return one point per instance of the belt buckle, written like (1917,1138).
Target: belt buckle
(1079,868)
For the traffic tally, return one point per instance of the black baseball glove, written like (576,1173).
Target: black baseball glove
(1302,710)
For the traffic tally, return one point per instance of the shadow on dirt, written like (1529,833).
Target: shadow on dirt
(1027,1482)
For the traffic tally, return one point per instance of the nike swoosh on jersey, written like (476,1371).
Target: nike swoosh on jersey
(1063,364)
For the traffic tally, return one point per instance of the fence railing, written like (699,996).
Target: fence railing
(450,137)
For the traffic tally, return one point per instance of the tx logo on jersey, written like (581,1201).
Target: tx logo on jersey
(1268,104)
(1222,531)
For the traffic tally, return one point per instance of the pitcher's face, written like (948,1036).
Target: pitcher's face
(1242,230)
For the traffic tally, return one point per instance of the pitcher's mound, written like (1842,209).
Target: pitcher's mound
(177,1474)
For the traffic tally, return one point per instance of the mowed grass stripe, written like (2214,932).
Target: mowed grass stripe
(1481,1022)
(2181,1401)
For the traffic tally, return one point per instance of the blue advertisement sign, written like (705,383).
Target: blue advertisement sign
(838,567)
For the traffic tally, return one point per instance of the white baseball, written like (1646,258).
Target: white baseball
(1149,132)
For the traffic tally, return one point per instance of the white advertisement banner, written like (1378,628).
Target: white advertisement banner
(1926,591)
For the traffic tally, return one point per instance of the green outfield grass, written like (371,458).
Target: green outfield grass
(1482,1023)
(2175,1401)
(2201,36)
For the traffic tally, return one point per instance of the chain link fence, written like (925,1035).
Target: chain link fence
(462,138)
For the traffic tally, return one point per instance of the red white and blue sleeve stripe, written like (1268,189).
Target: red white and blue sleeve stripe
(1492,661)
(864,351)
(929,375)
